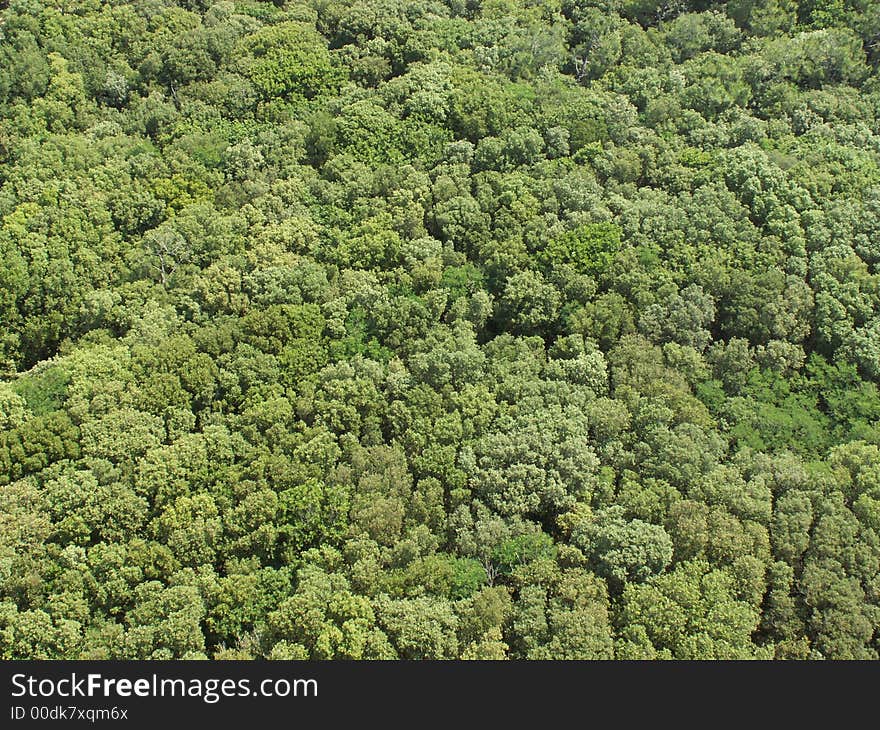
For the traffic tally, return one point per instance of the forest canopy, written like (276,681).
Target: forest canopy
(460,329)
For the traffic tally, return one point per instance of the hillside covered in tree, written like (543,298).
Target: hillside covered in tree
(440,329)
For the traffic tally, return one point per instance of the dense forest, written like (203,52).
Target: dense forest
(447,329)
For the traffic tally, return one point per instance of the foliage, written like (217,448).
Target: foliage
(435,330)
